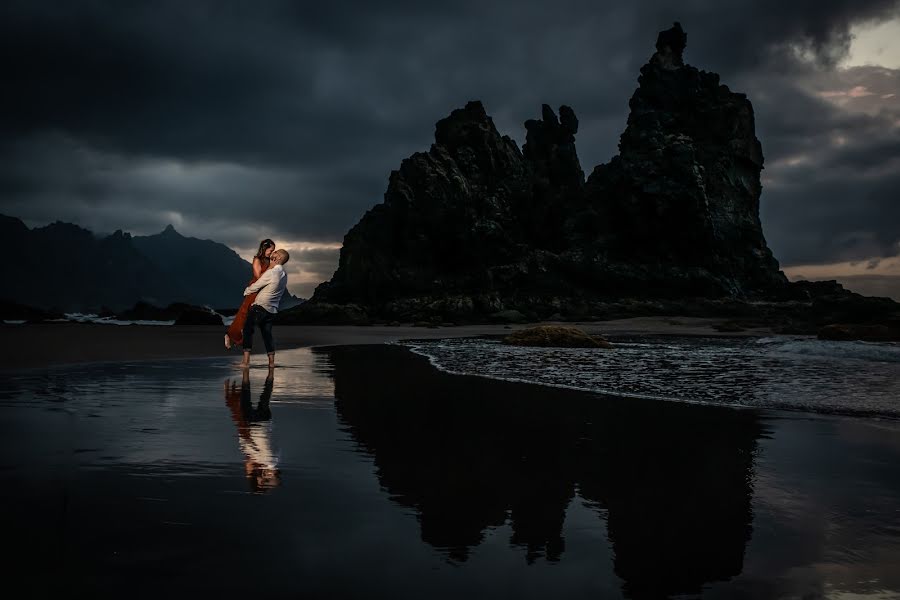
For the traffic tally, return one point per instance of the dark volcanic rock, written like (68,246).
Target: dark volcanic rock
(143,311)
(682,197)
(323,312)
(475,227)
(447,220)
(557,179)
(194,316)
(179,312)
(11,311)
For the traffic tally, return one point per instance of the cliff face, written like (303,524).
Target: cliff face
(684,190)
(448,217)
(476,227)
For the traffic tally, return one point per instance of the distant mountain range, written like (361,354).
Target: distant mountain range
(66,267)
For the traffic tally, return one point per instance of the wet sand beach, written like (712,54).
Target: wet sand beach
(52,344)
(364,471)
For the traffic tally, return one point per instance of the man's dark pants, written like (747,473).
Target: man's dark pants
(259,316)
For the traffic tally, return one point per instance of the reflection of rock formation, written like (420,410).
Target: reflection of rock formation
(676,482)
(255,432)
(469,453)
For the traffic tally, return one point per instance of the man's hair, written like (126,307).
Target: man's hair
(283,254)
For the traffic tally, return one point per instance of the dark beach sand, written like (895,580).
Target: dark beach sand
(396,480)
(41,345)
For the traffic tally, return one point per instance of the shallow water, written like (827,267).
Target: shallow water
(855,378)
(363,471)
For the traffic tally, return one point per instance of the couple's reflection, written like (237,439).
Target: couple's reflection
(672,482)
(254,425)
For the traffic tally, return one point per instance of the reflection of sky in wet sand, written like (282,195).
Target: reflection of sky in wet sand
(135,474)
(827,508)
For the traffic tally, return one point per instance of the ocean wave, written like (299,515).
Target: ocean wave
(851,350)
(855,378)
(91,318)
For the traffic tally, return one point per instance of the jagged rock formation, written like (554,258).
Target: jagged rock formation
(474,227)
(684,191)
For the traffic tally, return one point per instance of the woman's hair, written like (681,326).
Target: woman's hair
(263,245)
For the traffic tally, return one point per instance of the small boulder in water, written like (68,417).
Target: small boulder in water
(555,336)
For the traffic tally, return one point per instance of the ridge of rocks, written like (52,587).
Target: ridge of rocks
(476,227)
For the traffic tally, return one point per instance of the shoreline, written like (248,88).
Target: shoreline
(34,346)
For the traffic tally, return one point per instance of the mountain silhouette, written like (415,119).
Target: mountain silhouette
(65,267)
(208,272)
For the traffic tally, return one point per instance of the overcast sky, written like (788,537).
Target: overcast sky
(236,121)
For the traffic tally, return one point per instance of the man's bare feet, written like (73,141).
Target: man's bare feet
(245,364)
(227,342)
(271,360)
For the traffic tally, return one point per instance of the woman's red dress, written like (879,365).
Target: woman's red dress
(236,329)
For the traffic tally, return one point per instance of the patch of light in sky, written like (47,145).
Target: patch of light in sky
(875,45)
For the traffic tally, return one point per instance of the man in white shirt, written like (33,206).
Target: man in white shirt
(271,286)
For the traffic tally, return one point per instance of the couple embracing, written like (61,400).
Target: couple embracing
(260,304)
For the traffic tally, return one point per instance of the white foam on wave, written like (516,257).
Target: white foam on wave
(850,350)
(789,373)
(91,318)
(421,351)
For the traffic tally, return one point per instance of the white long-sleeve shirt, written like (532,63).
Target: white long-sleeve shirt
(271,286)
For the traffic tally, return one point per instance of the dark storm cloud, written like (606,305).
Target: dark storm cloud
(233,120)
(833,162)
(222,201)
(752,34)
(833,219)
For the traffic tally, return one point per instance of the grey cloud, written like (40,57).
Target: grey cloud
(284,119)
(835,219)
(223,201)
(832,169)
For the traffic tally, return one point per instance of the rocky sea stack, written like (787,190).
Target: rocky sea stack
(476,227)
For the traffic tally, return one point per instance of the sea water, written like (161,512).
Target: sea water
(796,373)
(365,471)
